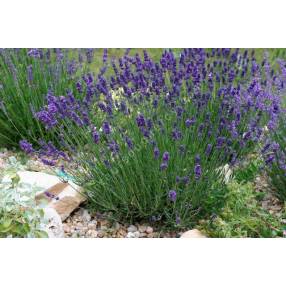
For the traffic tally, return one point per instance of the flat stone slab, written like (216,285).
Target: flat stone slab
(62,197)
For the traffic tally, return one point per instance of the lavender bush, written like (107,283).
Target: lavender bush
(26,75)
(274,147)
(274,152)
(150,141)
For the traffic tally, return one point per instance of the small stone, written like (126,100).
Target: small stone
(136,234)
(116,226)
(142,228)
(92,225)
(67,228)
(100,233)
(193,233)
(149,229)
(86,217)
(121,232)
(132,228)
(143,234)
(92,233)
(130,235)
(104,222)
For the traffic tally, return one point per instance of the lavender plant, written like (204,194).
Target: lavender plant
(274,147)
(274,152)
(26,75)
(150,140)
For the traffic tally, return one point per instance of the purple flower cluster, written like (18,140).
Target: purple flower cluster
(26,146)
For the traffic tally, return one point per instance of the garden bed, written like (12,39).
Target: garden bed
(143,145)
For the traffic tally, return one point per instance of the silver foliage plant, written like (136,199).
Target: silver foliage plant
(19,214)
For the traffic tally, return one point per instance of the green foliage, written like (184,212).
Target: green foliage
(21,96)
(242,216)
(19,214)
(248,170)
(276,154)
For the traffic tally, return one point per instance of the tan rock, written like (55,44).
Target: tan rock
(65,198)
(193,233)
(68,200)
(149,229)
(142,228)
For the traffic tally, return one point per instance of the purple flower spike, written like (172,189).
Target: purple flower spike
(95,136)
(26,146)
(166,157)
(198,171)
(156,153)
(172,195)
(163,166)
(106,128)
(209,149)
(198,159)
(141,122)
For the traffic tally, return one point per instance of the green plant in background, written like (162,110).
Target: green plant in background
(19,214)
(26,75)
(242,216)
(274,152)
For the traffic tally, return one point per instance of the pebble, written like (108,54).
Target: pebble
(66,228)
(86,217)
(132,228)
(92,225)
(142,228)
(130,235)
(136,234)
(149,230)
(100,233)
(116,226)
(92,233)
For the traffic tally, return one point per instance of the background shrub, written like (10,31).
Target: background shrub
(274,152)
(26,75)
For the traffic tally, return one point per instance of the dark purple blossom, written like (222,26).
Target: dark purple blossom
(176,134)
(141,122)
(156,153)
(95,136)
(209,149)
(172,195)
(89,55)
(35,53)
(166,156)
(163,166)
(129,143)
(106,128)
(198,171)
(26,146)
